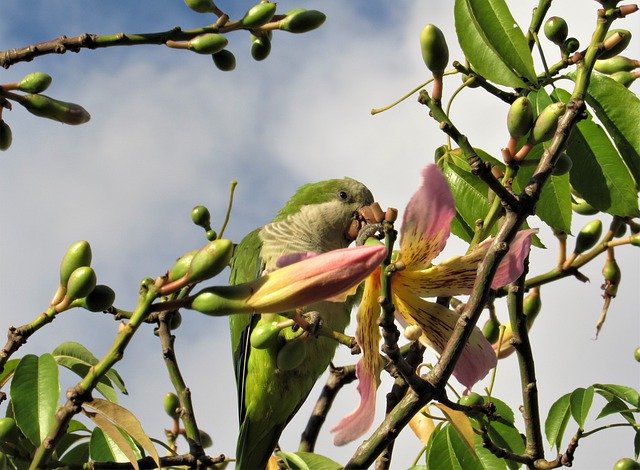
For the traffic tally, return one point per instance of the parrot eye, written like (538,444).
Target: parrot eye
(343,195)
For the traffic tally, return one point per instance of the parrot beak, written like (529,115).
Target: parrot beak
(371,214)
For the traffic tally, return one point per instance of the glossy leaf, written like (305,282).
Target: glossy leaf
(493,42)
(628,394)
(34,396)
(77,455)
(615,405)
(557,420)
(102,448)
(308,461)
(448,450)
(503,432)
(580,403)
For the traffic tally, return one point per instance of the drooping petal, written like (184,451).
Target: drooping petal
(427,220)
(512,264)
(437,323)
(368,368)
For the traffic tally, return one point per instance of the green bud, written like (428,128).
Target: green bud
(563,165)
(547,123)
(46,107)
(291,355)
(626,464)
(260,47)
(300,20)
(582,207)
(433,46)
(611,271)
(258,15)
(181,267)
(99,299)
(201,216)
(556,30)
(624,78)
(78,255)
(570,45)
(588,236)
(208,43)
(175,321)
(471,399)
(210,260)
(473,84)
(520,117)
(35,82)
(201,6)
(81,282)
(264,335)
(618,47)
(224,60)
(531,306)
(636,354)
(171,405)
(616,64)
(6,137)
(205,439)
(491,330)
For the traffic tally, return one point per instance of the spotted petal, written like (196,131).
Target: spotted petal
(437,323)
(427,220)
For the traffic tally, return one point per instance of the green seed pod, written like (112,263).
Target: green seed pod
(201,216)
(208,43)
(624,78)
(181,267)
(300,20)
(264,335)
(291,355)
(547,123)
(46,107)
(81,282)
(8,429)
(175,321)
(433,46)
(588,236)
(201,6)
(6,137)
(556,30)
(205,439)
(224,60)
(99,299)
(626,463)
(563,165)
(258,15)
(210,260)
(619,46)
(171,405)
(520,117)
(78,255)
(531,306)
(35,82)
(582,207)
(616,64)
(471,399)
(491,330)
(260,47)
(570,45)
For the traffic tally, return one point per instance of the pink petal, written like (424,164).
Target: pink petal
(512,264)
(427,219)
(290,258)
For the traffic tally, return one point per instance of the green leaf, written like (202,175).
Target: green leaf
(503,432)
(104,385)
(9,369)
(102,448)
(76,431)
(580,401)
(34,396)
(618,108)
(628,394)
(308,461)
(448,450)
(488,461)
(557,420)
(77,455)
(615,405)
(636,445)
(493,42)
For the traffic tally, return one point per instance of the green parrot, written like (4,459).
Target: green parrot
(274,381)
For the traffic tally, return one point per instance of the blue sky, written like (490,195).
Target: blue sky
(169,131)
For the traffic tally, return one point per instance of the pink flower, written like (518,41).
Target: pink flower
(423,235)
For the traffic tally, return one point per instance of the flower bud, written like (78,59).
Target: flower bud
(224,60)
(208,43)
(532,304)
(201,216)
(175,321)
(258,15)
(588,236)
(77,256)
(491,330)
(615,42)
(625,78)
(471,399)
(35,82)
(612,276)
(6,137)
(264,335)
(291,355)
(582,207)
(46,107)
(433,46)
(99,299)
(300,20)
(201,6)
(547,123)
(81,282)
(171,405)
(520,117)
(556,30)
(570,45)
(181,266)
(210,260)
(413,332)
(260,47)
(616,64)
(563,165)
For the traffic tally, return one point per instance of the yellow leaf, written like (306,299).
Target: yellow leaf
(422,425)
(461,423)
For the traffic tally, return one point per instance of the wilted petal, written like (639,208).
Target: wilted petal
(427,220)
(368,368)
(437,323)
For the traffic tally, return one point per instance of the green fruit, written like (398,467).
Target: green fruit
(205,439)
(208,43)
(81,282)
(588,236)
(435,51)
(625,39)
(636,354)
(624,78)
(78,255)
(260,47)
(258,15)
(201,6)
(582,207)
(611,271)
(46,107)
(471,399)
(171,405)
(556,30)
(300,20)
(616,64)
(35,82)
(547,123)
(210,260)
(264,335)
(570,45)
(224,60)
(520,117)
(99,299)
(291,355)
(626,464)
(491,330)
(531,306)
(563,165)
(201,216)
(181,267)
(6,137)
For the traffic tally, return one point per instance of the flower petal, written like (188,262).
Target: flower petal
(512,264)
(437,323)
(427,220)
(368,368)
